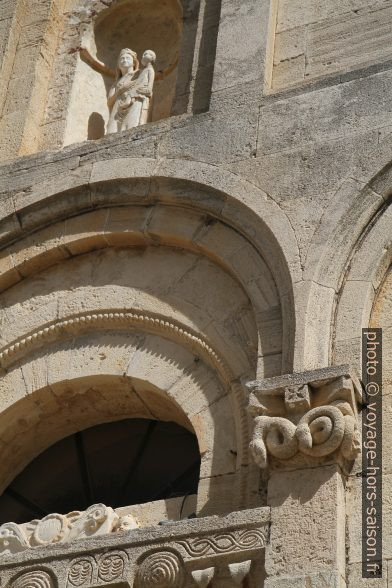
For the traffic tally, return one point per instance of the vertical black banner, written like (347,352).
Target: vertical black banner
(372,454)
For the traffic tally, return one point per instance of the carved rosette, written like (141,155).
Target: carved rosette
(161,569)
(305,416)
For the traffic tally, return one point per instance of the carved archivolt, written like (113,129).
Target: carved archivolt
(318,418)
(107,319)
(128,319)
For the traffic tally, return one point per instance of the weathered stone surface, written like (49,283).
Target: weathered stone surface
(355,578)
(332,38)
(238,62)
(315,580)
(243,234)
(307,508)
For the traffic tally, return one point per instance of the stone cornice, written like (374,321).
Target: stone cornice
(305,417)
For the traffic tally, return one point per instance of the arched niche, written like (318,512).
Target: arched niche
(168,28)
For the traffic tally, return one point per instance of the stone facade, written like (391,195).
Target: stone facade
(213,267)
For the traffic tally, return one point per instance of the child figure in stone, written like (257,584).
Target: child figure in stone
(143,90)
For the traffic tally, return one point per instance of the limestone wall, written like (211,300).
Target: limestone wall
(314,39)
(247,238)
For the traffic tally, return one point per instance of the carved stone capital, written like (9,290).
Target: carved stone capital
(309,417)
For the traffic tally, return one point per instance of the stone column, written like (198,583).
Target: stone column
(306,438)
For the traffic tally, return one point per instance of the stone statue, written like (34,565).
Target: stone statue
(130,96)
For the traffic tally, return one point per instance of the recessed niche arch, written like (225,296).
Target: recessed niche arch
(170,29)
(141,25)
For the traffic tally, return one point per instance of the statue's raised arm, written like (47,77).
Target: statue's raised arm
(103,69)
(97,65)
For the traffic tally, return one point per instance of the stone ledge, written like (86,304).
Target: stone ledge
(186,548)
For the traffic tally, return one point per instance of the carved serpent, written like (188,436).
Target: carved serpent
(275,434)
(320,432)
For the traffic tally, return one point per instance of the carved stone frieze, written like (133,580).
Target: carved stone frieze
(305,416)
(180,554)
(227,542)
(55,528)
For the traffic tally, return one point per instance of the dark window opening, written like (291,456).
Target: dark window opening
(118,464)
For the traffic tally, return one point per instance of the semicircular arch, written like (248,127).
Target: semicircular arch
(103,377)
(216,193)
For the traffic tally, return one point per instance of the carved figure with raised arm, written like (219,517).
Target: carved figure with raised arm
(129,98)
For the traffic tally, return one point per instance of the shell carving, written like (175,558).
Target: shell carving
(111,567)
(80,573)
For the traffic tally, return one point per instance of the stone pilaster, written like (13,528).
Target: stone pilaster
(306,437)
